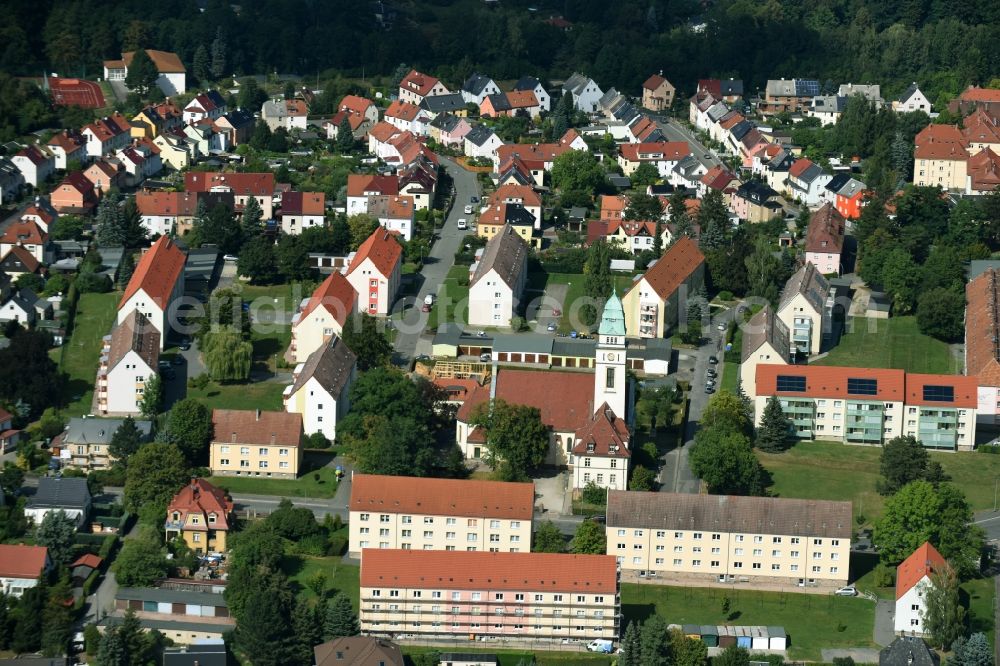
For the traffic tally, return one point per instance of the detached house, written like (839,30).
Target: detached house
(806,308)
(806,181)
(600,449)
(361,114)
(29,236)
(75,194)
(499,279)
(201,515)
(67,146)
(172,74)
(657,301)
(206,106)
(165,213)
(825,240)
(129,359)
(21,566)
(375,272)
(397,214)
(792,95)
(657,93)
(255,443)
(524,195)
(585,91)
(301,210)
(415,86)
(35,166)
(664,156)
(362,186)
(322,316)
(320,389)
(242,185)
(236,125)
(156,283)
(912,100)
(405,117)
(526,83)
(104,174)
(478,87)
(753,201)
(106,135)
(482,142)
(765,341)
(59,494)
(288,113)
(914,576)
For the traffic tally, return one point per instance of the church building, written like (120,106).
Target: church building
(585,412)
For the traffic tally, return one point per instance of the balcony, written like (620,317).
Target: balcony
(648,309)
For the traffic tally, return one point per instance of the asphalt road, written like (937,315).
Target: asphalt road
(675,131)
(989,521)
(436,266)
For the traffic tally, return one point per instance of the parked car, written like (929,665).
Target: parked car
(713,360)
(485,357)
(230,257)
(164,364)
(474,199)
(184,346)
(463,224)
(849,591)
(722,327)
(709,390)
(550,327)
(468,210)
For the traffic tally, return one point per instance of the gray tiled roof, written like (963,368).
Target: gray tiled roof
(98,431)
(506,254)
(765,327)
(810,283)
(60,493)
(331,365)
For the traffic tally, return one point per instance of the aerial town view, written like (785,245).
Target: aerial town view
(499,332)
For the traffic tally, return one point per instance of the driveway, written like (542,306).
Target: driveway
(436,266)
(859,655)
(542,310)
(885,618)
(552,495)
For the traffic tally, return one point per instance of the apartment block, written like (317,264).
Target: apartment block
(726,539)
(468,595)
(871,405)
(255,443)
(410,513)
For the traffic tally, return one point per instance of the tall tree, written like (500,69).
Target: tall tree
(345,137)
(732,656)
(645,175)
(125,270)
(201,64)
(228,356)
(340,618)
(548,539)
(142,73)
(134,232)
(596,280)
(774,432)
(142,560)
(112,650)
(517,440)
(642,206)
(687,651)
(189,427)
(941,314)
(362,226)
(713,218)
(258,261)
(253,218)
(57,532)
(263,627)
(218,66)
(943,613)
(654,642)
(293,258)
(903,459)
(589,539)
(152,396)
(725,461)
(631,654)
(726,410)
(972,651)
(362,334)
(155,473)
(125,442)
(307,630)
(108,224)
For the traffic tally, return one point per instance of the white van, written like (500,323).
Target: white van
(463,224)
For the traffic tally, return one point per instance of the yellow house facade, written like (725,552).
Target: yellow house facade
(200,514)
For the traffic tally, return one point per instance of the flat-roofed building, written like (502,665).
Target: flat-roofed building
(720,538)
(442,594)
(411,513)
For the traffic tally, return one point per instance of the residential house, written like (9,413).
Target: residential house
(29,236)
(378,138)
(35,166)
(982,354)
(537,158)
(663,155)
(791,95)
(488,590)
(11,181)
(499,279)
(321,317)
(585,91)
(940,157)
(200,514)
(24,306)
(776,170)
(418,180)
(849,198)
(256,443)
(871,92)
(980,131)
(912,100)
(287,113)
(406,117)
(449,130)
(806,308)
(541,94)
(129,358)
(478,87)
(657,93)
(870,405)
(792,541)
(481,142)
(84,444)
(915,576)
(320,389)
(825,240)
(514,103)
(362,186)
(237,125)
(765,340)
(827,108)
(138,164)
(357,651)
(301,210)
(405,148)
(242,185)
(104,174)
(67,147)
(375,272)
(208,105)
(59,494)
(106,135)
(657,301)
(908,651)
(524,195)
(754,201)
(41,213)
(806,182)
(635,235)
(146,124)
(176,152)
(192,614)
(397,214)
(75,194)
(172,74)
(164,213)
(687,173)
(360,112)
(974,99)
(404,512)
(727,90)
(416,86)
(9,436)
(21,566)
(983,173)
(156,284)
(18,261)
(601,450)
(572,140)
(433,106)
(721,179)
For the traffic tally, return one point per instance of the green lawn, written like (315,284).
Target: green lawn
(730,376)
(304,486)
(259,395)
(449,295)
(574,292)
(79,358)
(811,621)
(269,344)
(515,657)
(892,343)
(980,597)
(339,576)
(830,470)
(288,295)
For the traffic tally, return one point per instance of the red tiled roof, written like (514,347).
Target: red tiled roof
(983,169)
(675,266)
(165,61)
(522,99)
(259,428)
(162,204)
(358,185)
(981,127)
(5,415)
(654,82)
(799,167)
(157,272)
(442,497)
(27,232)
(202,498)
(922,562)
(44,215)
(940,142)
(402,110)
(977,94)
(613,207)
(718,178)
(87,560)
(22,561)
(535,156)
(382,248)
(605,435)
(33,154)
(68,140)
(658,151)
(596,229)
(831,382)
(258,184)
(632,227)
(965,390)
(826,231)
(565,399)
(78,181)
(335,295)
(524,194)
(481,570)
(982,327)
(382,131)
(418,82)
(355,104)
(457,389)
(303,203)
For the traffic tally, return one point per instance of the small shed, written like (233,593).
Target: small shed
(692,630)
(744,638)
(760,641)
(776,638)
(727,636)
(709,635)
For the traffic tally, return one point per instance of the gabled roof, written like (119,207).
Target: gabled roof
(527,83)
(924,561)
(659,151)
(157,272)
(521,99)
(166,204)
(477,83)
(418,83)
(391,208)
(331,365)
(981,127)
(910,91)
(382,248)
(201,498)
(383,131)
(765,327)
(335,295)
(60,492)
(479,134)
(977,94)
(565,399)
(534,156)
(505,253)
(523,194)
(984,171)
(718,178)
(964,390)
(258,184)
(809,282)
(257,427)
(576,83)
(982,327)
(165,61)
(134,334)
(359,185)
(675,266)
(402,110)
(907,651)
(27,232)
(303,203)
(442,497)
(605,436)
(78,182)
(33,154)
(20,561)
(940,142)
(19,260)
(654,82)
(357,651)
(826,231)
(450,102)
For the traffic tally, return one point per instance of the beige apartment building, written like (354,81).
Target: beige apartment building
(256,443)
(537,596)
(699,539)
(410,513)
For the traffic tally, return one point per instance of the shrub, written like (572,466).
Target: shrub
(338,545)
(594,494)
(107,546)
(315,545)
(725,295)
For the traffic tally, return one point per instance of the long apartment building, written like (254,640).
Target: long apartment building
(872,405)
(727,539)
(409,513)
(468,595)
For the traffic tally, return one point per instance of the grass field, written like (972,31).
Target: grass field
(730,376)
(449,296)
(79,358)
(979,595)
(891,343)
(260,395)
(288,295)
(339,576)
(304,486)
(516,657)
(811,621)
(574,281)
(829,470)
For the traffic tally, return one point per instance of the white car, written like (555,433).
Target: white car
(468,210)
(463,223)
(849,591)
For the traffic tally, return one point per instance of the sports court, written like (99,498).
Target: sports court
(76,92)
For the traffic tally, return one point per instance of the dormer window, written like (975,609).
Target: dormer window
(176,516)
(211,519)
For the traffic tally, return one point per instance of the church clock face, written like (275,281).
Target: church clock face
(609,357)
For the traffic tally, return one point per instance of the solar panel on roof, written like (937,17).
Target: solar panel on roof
(806,87)
(862,386)
(939,393)
(791,383)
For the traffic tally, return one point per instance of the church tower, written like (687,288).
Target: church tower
(609,380)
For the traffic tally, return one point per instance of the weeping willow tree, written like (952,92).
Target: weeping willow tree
(227,355)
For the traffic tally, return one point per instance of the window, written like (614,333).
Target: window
(758,539)
(428,520)
(697,535)
(817,542)
(515,524)
(939,393)
(494,524)
(793,383)
(795,540)
(610,378)
(775,553)
(262,451)
(244,450)
(282,452)
(857,386)
(739,537)
(477,596)
(678,535)
(364,516)
(383,518)
(223,461)
(262,464)
(795,553)
(637,533)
